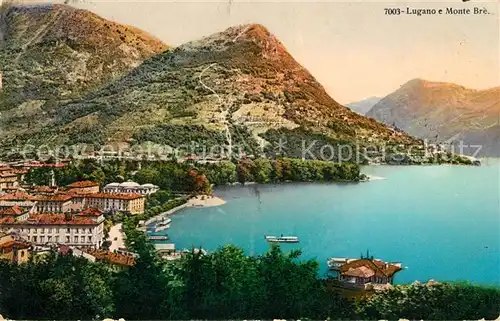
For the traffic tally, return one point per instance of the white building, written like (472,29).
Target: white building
(131,187)
(83,229)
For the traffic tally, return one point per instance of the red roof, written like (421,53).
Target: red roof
(64,249)
(53,198)
(82,184)
(44,189)
(50,219)
(14,244)
(8,174)
(122,196)
(39,164)
(16,196)
(93,212)
(363,267)
(14,211)
(111,257)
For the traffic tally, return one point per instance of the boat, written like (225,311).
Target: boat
(334,263)
(161,227)
(165,224)
(281,239)
(158,238)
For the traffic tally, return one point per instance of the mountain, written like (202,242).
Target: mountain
(51,54)
(239,84)
(363,106)
(445,112)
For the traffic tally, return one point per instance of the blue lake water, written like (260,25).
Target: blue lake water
(441,222)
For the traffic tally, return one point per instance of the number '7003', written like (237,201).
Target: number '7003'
(392,11)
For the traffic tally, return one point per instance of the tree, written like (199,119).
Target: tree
(262,170)
(244,170)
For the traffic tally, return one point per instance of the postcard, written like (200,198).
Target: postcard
(253,160)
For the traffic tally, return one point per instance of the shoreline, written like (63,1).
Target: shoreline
(196,201)
(205,201)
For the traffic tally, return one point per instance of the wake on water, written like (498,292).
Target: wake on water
(375,178)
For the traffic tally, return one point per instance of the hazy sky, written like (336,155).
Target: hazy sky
(352,48)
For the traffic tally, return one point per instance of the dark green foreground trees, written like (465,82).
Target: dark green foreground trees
(226,284)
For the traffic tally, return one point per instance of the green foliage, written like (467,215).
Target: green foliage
(433,302)
(39,176)
(288,170)
(225,284)
(197,139)
(171,176)
(221,173)
(102,173)
(58,287)
(304,143)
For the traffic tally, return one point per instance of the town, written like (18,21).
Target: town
(37,219)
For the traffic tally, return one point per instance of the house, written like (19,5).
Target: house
(13,249)
(45,202)
(367,271)
(16,212)
(55,203)
(44,190)
(116,202)
(78,229)
(131,187)
(8,179)
(37,164)
(117,259)
(83,187)
(17,196)
(27,205)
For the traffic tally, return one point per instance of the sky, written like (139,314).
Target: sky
(353,48)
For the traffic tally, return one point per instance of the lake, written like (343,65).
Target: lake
(441,222)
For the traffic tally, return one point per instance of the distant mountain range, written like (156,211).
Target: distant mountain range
(363,106)
(444,112)
(74,77)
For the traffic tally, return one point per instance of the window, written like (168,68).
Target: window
(49,239)
(76,239)
(68,230)
(35,238)
(76,231)
(82,239)
(34,231)
(42,239)
(90,239)
(56,239)
(67,239)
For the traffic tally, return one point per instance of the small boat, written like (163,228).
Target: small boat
(334,263)
(281,239)
(161,227)
(158,238)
